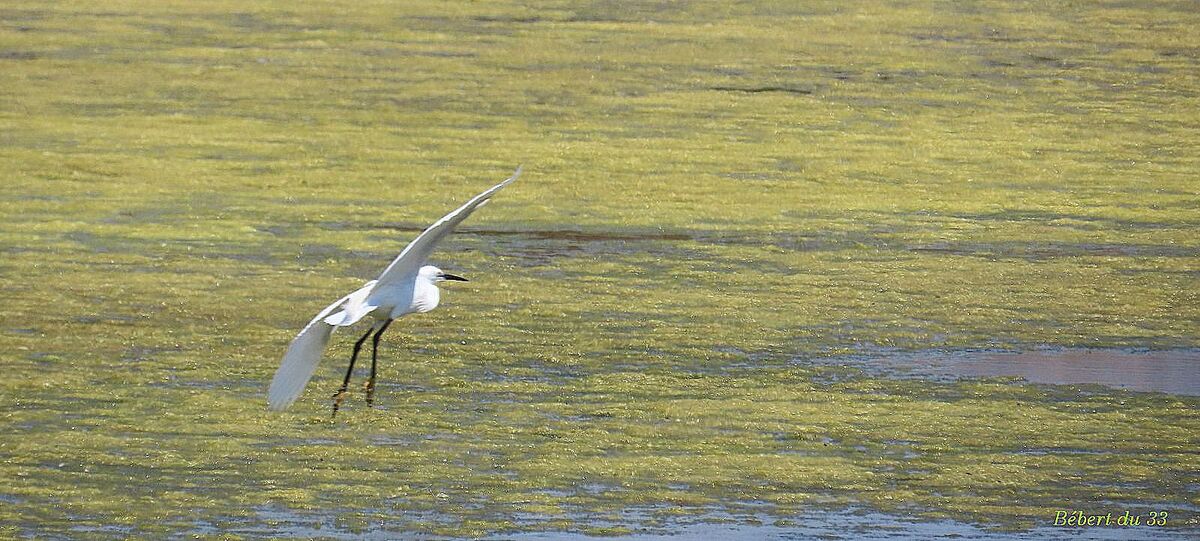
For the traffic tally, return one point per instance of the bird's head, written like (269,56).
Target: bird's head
(433,274)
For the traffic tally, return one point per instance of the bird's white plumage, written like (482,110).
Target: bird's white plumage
(404,268)
(354,307)
(396,292)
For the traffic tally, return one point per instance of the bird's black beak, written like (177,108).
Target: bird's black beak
(448,276)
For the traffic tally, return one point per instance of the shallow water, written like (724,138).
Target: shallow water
(846,524)
(1174,371)
(852,526)
(711,192)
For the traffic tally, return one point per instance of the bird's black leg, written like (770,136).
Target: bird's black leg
(370,386)
(337,397)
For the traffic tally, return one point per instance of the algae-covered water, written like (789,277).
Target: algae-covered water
(712,192)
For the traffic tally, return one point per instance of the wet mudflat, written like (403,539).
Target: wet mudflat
(690,317)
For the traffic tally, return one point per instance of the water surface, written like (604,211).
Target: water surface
(711,191)
(1174,371)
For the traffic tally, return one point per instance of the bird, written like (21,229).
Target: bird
(408,285)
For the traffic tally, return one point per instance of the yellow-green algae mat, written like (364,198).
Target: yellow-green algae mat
(713,194)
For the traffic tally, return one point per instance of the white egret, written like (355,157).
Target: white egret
(407,285)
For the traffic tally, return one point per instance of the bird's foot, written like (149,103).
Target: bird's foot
(369,389)
(337,401)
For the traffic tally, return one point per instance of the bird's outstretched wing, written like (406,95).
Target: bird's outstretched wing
(303,355)
(406,265)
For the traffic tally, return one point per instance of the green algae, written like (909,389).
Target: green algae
(711,192)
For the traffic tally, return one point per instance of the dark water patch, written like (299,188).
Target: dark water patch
(745,360)
(144,215)
(90,241)
(1174,371)
(1056,218)
(108,529)
(818,241)
(410,441)
(106,318)
(41,197)
(936,36)
(1052,60)
(19,55)
(12,15)
(749,176)
(402,52)
(1038,451)
(278,231)
(586,236)
(763,89)
(145,353)
(1049,250)
(256,23)
(508,19)
(313,253)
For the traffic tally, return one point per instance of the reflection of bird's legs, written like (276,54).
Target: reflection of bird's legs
(370,385)
(338,396)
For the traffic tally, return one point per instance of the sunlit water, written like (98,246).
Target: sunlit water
(734,215)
